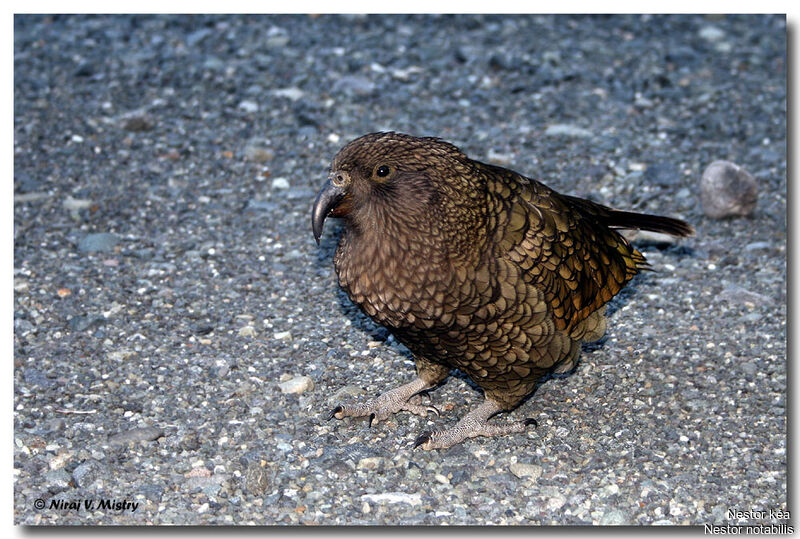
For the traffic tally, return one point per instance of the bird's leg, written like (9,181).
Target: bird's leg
(393,401)
(475,423)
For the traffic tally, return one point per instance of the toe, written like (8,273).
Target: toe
(423,438)
(336,412)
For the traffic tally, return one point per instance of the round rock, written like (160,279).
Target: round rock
(727,190)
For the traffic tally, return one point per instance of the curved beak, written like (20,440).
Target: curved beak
(327,200)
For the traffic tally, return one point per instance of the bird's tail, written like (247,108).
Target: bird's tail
(627,219)
(653,223)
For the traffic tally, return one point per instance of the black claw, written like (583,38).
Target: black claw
(334,412)
(434,410)
(421,439)
(371,418)
(531,421)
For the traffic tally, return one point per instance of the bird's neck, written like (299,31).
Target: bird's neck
(383,232)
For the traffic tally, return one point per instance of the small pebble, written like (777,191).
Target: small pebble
(248,331)
(280,183)
(566,130)
(141,434)
(441,479)
(76,204)
(258,152)
(615,517)
(393,497)
(654,237)
(57,480)
(757,246)
(749,368)
(297,385)
(256,479)
(248,106)
(498,158)
(87,473)
(64,292)
(711,33)
(739,295)
(354,86)
(523,470)
(137,122)
(293,93)
(84,322)
(21,285)
(369,463)
(102,242)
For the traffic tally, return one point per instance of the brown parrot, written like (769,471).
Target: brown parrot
(472,267)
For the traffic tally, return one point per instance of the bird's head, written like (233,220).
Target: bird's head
(381,169)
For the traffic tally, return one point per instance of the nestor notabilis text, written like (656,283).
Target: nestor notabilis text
(475,267)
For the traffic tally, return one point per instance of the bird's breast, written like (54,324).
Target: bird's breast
(396,284)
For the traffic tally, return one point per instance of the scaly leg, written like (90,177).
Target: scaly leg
(473,424)
(391,402)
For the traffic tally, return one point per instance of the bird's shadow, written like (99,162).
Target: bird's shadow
(329,242)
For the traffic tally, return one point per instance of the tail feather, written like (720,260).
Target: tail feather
(627,219)
(653,223)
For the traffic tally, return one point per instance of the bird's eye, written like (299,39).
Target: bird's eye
(382,171)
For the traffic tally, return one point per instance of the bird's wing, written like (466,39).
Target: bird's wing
(563,247)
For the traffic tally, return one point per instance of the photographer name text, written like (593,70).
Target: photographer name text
(102,504)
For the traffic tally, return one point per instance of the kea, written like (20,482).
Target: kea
(472,267)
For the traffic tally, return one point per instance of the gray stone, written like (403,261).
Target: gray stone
(354,86)
(293,93)
(280,183)
(750,368)
(528,471)
(727,190)
(84,322)
(101,242)
(248,106)
(393,497)
(614,517)
(154,493)
(297,385)
(566,130)
(141,434)
(711,33)
(758,246)
(736,294)
(87,473)
(256,479)
(57,480)
(137,121)
(258,152)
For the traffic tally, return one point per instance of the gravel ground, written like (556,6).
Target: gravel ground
(179,337)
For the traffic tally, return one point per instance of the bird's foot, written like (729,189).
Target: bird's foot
(403,398)
(475,423)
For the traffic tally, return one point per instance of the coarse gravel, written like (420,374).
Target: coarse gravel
(179,338)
